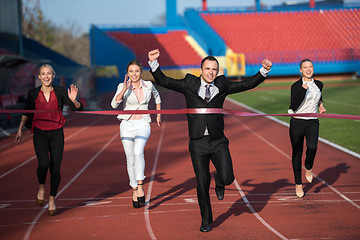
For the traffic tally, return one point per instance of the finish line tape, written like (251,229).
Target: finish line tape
(197,111)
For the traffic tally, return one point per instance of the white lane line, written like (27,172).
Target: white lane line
(288,201)
(102,216)
(334,145)
(33,157)
(338,192)
(148,195)
(182,208)
(278,200)
(24,138)
(186,198)
(190,200)
(269,99)
(32,224)
(288,157)
(248,204)
(96,203)
(4,132)
(18,166)
(342,103)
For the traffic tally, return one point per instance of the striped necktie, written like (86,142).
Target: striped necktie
(207,93)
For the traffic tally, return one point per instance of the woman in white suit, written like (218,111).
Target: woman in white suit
(135,94)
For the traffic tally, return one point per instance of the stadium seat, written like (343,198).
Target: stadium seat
(4,51)
(175,50)
(325,35)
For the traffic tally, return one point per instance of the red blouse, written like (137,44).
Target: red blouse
(51,120)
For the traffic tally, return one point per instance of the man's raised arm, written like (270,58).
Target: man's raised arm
(153,56)
(160,77)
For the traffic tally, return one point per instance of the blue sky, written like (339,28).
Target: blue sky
(83,13)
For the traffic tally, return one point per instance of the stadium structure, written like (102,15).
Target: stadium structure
(20,59)
(328,32)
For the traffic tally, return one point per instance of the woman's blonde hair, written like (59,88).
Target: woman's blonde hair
(48,66)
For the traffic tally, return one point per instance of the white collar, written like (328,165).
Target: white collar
(311,81)
(203,83)
(142,84)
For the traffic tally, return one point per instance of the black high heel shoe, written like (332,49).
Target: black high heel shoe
(136,204)
(141,200)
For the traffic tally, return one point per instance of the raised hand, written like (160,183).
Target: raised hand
(126,79)
(153,55)
(125,87)
(72,92)
(266,63)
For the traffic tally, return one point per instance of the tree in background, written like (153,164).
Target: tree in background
(62,39)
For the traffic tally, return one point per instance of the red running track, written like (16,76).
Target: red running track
(94,199)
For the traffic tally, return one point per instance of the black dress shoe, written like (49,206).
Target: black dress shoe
(141,200)
(205,228)
(220,192)
(136,204)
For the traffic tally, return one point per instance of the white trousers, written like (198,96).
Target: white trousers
(134,135)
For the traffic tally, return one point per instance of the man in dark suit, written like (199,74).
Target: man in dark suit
(206,131)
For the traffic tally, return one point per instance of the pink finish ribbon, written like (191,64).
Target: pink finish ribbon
(198,111)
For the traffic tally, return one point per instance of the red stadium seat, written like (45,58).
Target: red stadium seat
(175,51)
(332,32)
(5,51)
(7,100)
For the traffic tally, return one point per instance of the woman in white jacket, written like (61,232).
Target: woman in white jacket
(135,94)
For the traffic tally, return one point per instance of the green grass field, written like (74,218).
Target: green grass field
(340,97)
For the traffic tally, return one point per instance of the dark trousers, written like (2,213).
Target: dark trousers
(300,129)
(49,148)
(202,151)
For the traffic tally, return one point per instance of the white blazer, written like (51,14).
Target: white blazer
(130,101)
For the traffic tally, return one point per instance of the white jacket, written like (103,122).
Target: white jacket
(130,101)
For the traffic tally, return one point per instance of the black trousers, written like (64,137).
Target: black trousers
(49,148)
(202,151)
(300,129)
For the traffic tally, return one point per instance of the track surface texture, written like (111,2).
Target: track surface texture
(94,198)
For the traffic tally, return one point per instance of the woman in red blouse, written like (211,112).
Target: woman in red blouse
(47,127)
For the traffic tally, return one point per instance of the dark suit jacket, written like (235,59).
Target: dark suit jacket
(62,98)
(189,86)
(298,93)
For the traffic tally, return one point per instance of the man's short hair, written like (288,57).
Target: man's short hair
(210,58)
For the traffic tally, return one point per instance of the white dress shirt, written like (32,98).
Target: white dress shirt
(310,104)
(202,90)
(131,102)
